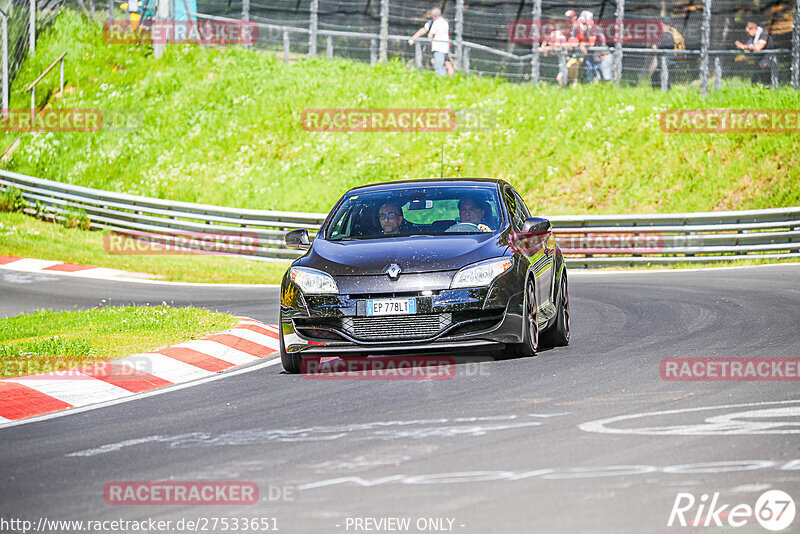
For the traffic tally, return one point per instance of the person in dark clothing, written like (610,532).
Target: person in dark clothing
(765,63)
(667,42)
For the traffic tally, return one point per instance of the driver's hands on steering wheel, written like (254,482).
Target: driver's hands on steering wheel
(484,228)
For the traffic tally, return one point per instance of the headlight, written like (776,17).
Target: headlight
(312,281)
(480,274)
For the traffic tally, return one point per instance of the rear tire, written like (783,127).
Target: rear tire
(558,334)
(530,325)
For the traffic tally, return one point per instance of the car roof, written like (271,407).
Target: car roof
(440,182)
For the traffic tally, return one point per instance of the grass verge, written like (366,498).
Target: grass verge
(222,126)
(26,236)
(47,341)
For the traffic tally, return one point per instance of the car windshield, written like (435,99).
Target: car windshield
(440,210)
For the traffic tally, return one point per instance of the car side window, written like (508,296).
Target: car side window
(526,213)
(516,208)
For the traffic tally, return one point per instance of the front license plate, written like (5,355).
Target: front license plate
(391,306)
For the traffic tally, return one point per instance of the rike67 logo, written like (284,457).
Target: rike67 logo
(774,510)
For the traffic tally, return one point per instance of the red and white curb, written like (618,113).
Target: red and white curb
(31,265)
(34,395)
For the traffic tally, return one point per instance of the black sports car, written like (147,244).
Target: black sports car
(424,264)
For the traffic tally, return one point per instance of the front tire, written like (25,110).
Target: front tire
(290,361)
(530,331)
(558,334)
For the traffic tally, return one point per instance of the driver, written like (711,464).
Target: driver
(391,219)
(474,211)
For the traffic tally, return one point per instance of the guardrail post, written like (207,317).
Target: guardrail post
(286,47)
(717,74)
(373,51)
(312,27)
(796,46)
(460,35)
(618,45)
(32,29)
(329,48)
(418,54)
(664,73)
(536,15)
(4,23)
(705,42)
(466,60)
(384,31)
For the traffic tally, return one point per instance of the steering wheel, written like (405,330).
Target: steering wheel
(463,227)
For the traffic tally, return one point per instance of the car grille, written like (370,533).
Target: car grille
(398,327)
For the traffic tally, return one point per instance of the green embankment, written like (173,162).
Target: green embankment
(47,341)
(222,126)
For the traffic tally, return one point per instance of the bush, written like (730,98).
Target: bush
(11,200)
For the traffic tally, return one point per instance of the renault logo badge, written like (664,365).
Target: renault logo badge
(393,271)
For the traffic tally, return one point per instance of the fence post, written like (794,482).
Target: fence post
(246,10)
(796,46)
(312,27)
(384,31)
(460,35)
(418,54)
(562,66)
(705,42)
(773,72)
(536,15)
(618,45)
(373,51)
(158,45)
(32,32)
(110,10)
(664,73)
(329,49)
(286,46)
(717,74)
(5,62)
(466,61)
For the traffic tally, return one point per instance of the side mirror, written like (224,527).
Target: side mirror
(297,239)
(536,224)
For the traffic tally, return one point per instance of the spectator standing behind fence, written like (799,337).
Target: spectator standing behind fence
(765,64)
(573,62)
(667,42)
(595,58)
(437,29)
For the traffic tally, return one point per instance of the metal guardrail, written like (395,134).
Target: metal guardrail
(588,240)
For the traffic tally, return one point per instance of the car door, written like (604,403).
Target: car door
(542,259)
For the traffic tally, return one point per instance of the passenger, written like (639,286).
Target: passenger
(391,219)
(475,211)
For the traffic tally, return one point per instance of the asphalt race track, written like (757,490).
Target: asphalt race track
(504,446)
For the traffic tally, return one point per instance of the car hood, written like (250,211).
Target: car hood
(413,254)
